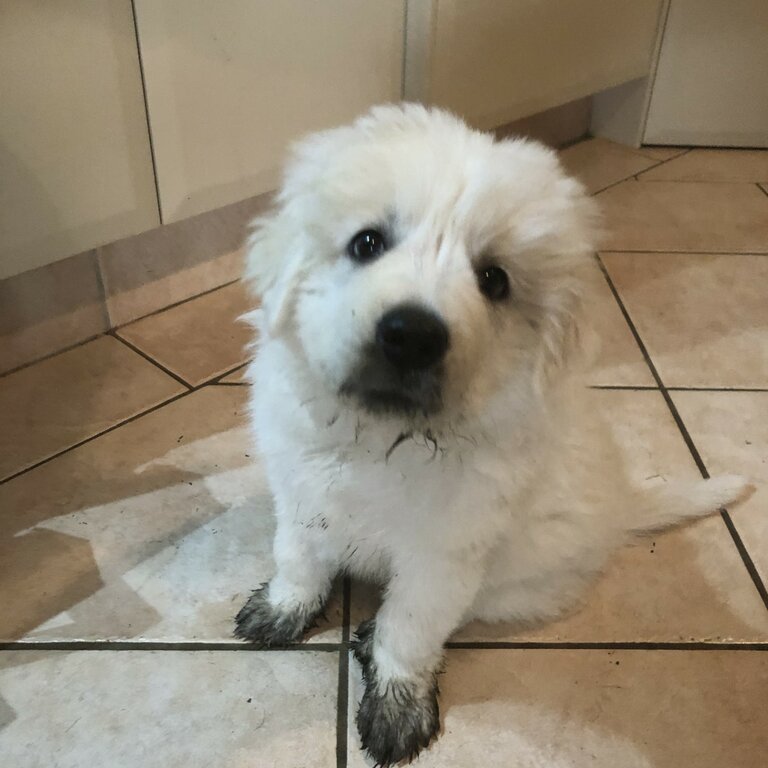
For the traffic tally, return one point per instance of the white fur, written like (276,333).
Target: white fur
(505,504)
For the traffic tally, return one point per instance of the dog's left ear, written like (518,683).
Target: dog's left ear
(568,284)
(273,266)
(561,329)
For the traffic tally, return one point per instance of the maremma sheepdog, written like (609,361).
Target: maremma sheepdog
(419,405)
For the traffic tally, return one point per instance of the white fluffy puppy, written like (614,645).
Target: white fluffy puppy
(417,402)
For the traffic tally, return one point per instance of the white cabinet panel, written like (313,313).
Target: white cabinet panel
(496,60)
(230,84)
(75,162)
(711,85)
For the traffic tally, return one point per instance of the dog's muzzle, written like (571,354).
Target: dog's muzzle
(402,370)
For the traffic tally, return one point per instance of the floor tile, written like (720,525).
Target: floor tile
(600,163)
(198,339)
(687,584)
(155,531)
(619,361)
(730,430)
(662,153)
(713,165)
(685,216)
(564,708)
(67,398)
(703,318)
(165,708)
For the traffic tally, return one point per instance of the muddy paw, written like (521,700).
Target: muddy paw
(265,625)
(396,718)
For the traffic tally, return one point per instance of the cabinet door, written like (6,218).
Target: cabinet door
(75,162)
(711,85)
(494,61)
(230,84)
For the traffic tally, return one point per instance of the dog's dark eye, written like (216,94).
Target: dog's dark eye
(493,283)
(366,246)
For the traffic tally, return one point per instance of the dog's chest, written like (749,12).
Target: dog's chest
(410,490)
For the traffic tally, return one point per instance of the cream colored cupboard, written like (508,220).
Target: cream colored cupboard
(119,115)
(494,61)
(230,84)
(75,163)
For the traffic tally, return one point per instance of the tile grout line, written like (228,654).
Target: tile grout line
(82,342)
(115,335)
(674,252)
(635,175)
(762,188)
(161,645)
(626,387)
(230,383)
(217,380)
(48,356)
(103,432)
(654,388)
(611,645)
(725,515)
(696,181)
(717,389)
(342,692)
(214,381)
(68,646)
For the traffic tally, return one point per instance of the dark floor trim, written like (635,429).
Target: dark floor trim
(745,556)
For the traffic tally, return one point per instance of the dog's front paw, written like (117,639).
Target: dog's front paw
(398,718)
(266,625)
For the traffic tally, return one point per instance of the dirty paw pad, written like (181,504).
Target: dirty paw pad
(265,625)
(362,645)
(398,720)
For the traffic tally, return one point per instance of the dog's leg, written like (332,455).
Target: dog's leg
(281,611)
(400,653)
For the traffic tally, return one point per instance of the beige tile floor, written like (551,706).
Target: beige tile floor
(134,520)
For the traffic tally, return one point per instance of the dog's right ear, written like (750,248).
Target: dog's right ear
(273,269)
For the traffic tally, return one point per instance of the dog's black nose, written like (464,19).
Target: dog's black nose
(412,338)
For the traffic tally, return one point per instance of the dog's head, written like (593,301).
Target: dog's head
(419,265)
